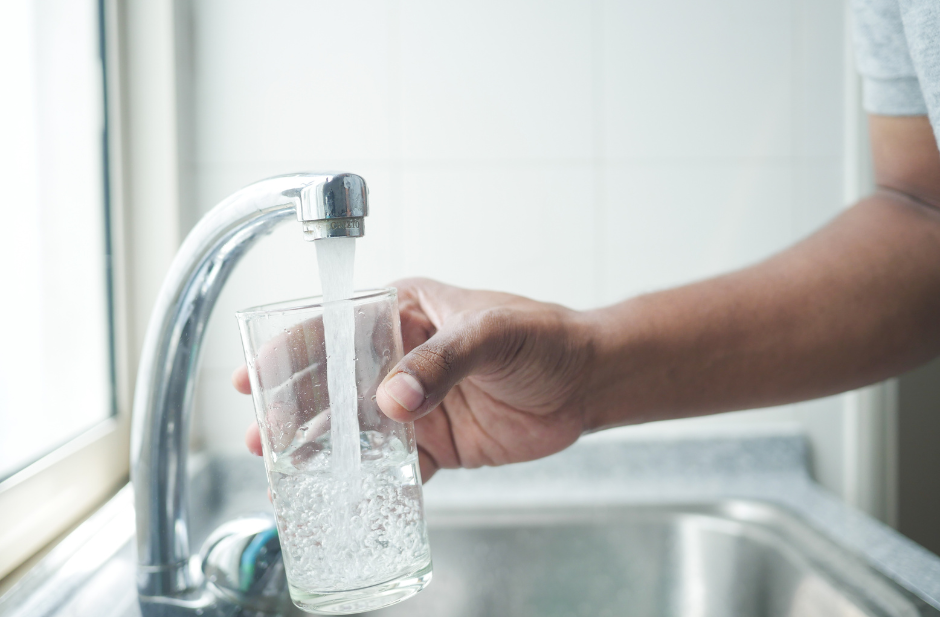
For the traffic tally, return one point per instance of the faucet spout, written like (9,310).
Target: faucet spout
(327,205)
(334,206)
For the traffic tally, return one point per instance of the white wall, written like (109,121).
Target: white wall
(621,147)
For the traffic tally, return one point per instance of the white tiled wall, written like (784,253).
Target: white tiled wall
(573,151)
(705,80)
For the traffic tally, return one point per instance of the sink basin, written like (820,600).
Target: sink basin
(731,559)
(690,556)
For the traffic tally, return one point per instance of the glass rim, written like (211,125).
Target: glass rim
(313,302)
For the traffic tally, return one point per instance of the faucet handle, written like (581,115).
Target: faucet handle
(242,561)
(332,205)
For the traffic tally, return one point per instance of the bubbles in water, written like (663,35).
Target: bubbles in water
(384,531)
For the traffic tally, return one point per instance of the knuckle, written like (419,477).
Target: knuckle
(437,358)
(495,320)
(500,329)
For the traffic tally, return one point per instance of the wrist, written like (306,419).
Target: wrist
(610,366)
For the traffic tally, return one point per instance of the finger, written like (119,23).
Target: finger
(426,466)
(437,300)
(241,381)
(416,325)
(308,446)
(434,435)
(253,439)
(289,369)
(426,305)
(292,351)
(421,380)
(283,421)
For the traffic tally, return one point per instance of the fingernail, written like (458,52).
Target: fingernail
(405,390)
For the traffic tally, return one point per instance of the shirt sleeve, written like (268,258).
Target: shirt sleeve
(921,20)
(890,83)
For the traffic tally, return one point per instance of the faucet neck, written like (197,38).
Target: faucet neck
(170,357)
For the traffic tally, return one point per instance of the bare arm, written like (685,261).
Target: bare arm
(856,302)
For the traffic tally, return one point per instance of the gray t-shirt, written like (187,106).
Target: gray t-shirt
(897,48)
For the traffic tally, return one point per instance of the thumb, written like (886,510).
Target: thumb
(425,375)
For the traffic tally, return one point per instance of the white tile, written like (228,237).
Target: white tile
(692,78)
(819,77)
(290,79)
(379,255)
(669,224)
(525,230)
(817,193)
(221,414)
(503,79)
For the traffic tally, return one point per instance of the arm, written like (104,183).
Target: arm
(857,302)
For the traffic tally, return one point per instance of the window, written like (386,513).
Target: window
(57,402)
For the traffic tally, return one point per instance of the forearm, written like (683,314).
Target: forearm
(857,302)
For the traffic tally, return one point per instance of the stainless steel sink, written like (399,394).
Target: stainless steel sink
(725,557)
(731,559)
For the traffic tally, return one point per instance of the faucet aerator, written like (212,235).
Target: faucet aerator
(333,205)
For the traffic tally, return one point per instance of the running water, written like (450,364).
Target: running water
(335,257)
(350,516)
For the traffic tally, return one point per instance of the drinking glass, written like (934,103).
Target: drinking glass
(352,535)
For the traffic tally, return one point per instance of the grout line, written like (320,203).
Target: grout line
(396,163)
(797,53)
(599,143)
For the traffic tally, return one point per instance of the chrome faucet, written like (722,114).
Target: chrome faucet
(170,580)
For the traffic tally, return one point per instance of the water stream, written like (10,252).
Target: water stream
(336,258)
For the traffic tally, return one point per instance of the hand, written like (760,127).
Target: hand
(488,378)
